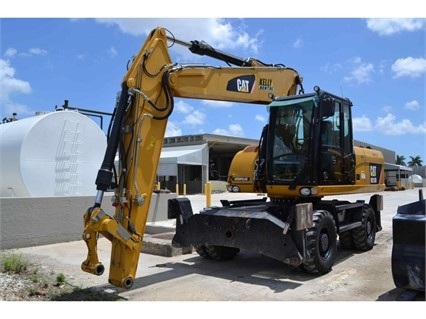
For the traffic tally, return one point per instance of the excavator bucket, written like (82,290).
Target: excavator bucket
(408,250)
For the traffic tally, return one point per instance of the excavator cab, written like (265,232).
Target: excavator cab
(310,136)
(308,142)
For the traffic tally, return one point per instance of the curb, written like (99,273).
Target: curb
(161,245)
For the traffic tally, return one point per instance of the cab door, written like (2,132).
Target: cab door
(336,158)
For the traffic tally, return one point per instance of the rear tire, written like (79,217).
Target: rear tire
(217,252)
(345,240)
(321,244)
(363,237)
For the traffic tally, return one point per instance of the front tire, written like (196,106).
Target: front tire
(321,244)
(217,252)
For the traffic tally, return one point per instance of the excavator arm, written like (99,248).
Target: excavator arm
(137,133)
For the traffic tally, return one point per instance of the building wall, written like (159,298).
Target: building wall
(27,222)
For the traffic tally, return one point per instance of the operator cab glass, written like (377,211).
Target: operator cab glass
(310,141)
(290,137)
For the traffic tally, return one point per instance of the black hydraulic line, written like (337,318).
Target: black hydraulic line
(104,177)
(202,48)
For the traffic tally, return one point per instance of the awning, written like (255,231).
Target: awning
(395,167)
(188,155)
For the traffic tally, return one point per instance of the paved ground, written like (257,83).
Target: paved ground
(249,277)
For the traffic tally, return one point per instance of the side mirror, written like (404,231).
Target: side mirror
(327,107)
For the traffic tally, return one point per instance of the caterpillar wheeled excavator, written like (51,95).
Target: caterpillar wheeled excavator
(305,153)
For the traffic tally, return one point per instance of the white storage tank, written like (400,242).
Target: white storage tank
(53,154)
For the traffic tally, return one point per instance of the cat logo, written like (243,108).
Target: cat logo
(242,84)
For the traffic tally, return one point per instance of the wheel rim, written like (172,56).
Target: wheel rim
(324,244)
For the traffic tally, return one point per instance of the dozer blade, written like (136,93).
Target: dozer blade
(408,250)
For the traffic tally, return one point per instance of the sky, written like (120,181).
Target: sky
(378,63)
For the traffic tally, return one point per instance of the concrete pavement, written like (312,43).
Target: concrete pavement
(356,276)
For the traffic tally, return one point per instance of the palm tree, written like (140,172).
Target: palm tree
(400,160)
(415,161)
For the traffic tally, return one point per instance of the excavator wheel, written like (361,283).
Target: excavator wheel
(201,250)
(217,252)
(345,240)
(363,237)
(321,244)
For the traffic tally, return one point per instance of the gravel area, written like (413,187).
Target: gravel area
(16,287)
(37,283)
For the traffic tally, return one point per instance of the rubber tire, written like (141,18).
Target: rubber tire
(219,253)
(321,259)
(363,237)
(201,250)
(345,240)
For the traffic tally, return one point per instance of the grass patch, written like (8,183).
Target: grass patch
(60,279)
(45,285)
(14,264)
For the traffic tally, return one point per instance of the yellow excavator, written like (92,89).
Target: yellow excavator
(305,153)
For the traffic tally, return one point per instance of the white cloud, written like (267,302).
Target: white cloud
(361,72)
(260,118)
(362,124)
(392,26)
(217,104)
(232,130)
(411,67)
(382,66)
(298,43)
(11,85)
(172,129)
(10,53)
(389,126)
(387,109)
(331,68)
(37,51)
(216,32)
(112,52)
(183,107)
(195,118)
(412,105)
